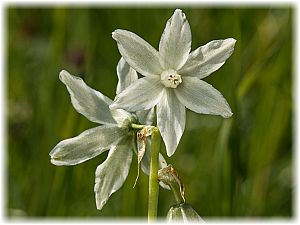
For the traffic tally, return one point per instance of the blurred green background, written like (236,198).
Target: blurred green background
(237,167)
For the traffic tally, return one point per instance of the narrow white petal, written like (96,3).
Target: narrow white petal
(201,97)
(126,75)
(112,173)
(208,58)
(122,117)
(175,42)
(138,53)
(141,95)
(145,116)
(85,146)
(170,120)
(87,101)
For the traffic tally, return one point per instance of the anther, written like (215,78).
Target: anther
(170,78)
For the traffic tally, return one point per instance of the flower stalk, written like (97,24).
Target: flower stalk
(137,126)
(153,178)
(179,199)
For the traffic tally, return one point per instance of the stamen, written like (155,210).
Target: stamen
(170,78)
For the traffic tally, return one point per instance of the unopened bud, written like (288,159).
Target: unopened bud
(183,213)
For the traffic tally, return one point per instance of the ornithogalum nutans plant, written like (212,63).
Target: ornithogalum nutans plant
(171,81)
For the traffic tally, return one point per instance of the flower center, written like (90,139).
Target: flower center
(170,78)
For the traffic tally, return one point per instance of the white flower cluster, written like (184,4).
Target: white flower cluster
(171,82)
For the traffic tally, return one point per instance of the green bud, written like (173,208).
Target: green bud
(183,213)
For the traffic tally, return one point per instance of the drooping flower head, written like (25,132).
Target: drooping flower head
(114,134)
(172,77)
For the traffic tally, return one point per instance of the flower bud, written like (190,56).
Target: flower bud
(183,213)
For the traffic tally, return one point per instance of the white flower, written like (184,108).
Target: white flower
(172,77)
(114,135)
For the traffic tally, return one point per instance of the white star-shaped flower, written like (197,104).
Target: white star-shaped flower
(172,77)
(115,135)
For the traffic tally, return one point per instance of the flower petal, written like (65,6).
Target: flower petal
(87,145)
(141,95)
(201,97)
(87,101)
(145,116)
(126,75)
(208,58)
(139,54)
(175,42)
(112,173)
(170,120)
(122,117)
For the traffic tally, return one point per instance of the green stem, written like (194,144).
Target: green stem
(177,196)
(137,126)
(153,180)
